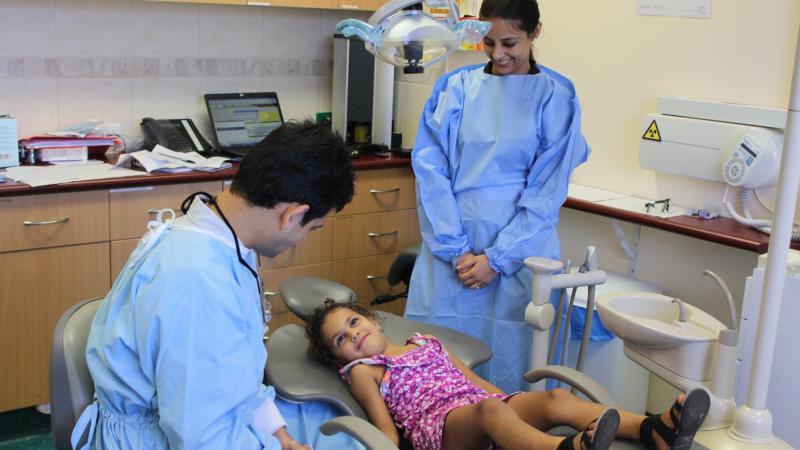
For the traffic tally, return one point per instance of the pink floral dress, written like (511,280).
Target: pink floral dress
(420,388)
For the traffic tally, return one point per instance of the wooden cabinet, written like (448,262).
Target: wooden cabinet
(130,209)
(53,254)
(319,4)
(36,287)
(364,5)
(40,221)
(217,2)
(356,246)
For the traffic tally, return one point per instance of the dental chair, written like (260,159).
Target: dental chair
(298,378)
(71,385)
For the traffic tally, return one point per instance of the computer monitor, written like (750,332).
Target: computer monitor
(239,121)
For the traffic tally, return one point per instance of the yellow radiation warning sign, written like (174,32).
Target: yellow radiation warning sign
(652,133)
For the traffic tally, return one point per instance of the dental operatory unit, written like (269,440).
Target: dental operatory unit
(750,149)
(676,341)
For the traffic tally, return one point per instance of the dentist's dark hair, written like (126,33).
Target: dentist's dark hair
(318,348)
(524,13)
(299,162)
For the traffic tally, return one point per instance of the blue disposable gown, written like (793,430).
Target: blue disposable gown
(492,160)
(176,349)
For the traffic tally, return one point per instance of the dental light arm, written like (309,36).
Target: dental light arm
(413,39)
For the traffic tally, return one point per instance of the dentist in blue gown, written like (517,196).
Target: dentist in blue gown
(176,349)
(495,149)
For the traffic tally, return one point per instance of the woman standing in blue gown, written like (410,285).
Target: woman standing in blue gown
(496,146)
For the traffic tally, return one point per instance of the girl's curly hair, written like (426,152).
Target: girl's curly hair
(318,349)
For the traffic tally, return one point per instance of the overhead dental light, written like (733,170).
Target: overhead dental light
(413,39)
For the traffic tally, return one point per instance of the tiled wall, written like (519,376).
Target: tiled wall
(64,61)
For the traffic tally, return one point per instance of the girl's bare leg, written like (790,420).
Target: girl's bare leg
(545,410)
(492,420)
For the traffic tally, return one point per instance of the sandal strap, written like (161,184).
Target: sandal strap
(646,431)
(673,413)
(652,423)
(666,433)
(566,443)
(586,441)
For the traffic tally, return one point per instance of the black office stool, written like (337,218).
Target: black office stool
(400,271)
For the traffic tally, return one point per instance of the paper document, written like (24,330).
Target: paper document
(46,175)
(165,160)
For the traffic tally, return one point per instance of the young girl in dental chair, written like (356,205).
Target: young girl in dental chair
(437,402)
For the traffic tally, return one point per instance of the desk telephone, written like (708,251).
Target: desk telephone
(180,135)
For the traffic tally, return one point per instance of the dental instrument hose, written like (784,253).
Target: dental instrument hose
(763,225)
(559,319)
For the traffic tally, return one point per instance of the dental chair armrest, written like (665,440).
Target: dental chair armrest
(579,380)
(361,430)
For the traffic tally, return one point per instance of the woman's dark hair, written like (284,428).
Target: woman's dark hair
(317,347)
(524,13)
(299,162)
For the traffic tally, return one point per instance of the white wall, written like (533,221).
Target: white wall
(63,61)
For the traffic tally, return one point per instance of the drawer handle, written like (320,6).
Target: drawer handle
(152,211)
(345,6)
(374,235)
(375,277)
(383,191)
(270,293)
(29,223)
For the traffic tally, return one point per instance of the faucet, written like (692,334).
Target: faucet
(681,310)
(732,325)
(724,361)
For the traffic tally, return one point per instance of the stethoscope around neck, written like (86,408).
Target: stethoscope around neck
(266,306)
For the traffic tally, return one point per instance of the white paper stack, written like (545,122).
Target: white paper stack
(162,159)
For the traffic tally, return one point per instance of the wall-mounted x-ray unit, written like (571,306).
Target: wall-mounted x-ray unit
(710,140)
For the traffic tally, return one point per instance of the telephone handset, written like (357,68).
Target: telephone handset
(180,135)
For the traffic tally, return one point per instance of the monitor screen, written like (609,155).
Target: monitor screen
(243,121)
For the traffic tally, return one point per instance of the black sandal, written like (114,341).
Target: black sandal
(692,413)
(604,433)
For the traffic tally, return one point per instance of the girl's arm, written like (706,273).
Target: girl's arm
(365,386)
(471,376)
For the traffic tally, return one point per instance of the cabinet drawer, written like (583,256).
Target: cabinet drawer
(132,208)
(367,277)
(316,248)
(120,252)
(382,190)
(51,220)
(374,234)
(36,287)
(273,278)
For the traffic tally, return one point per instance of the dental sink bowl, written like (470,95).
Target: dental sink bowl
(648,324)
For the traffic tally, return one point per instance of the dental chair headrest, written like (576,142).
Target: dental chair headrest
(303,294)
